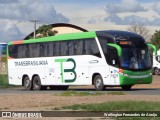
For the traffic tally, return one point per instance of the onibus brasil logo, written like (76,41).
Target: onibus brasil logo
(71,70)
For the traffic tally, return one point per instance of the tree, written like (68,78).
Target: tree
(44,31)
(156,39)
(140,29)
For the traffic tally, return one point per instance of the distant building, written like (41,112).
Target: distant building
(62,28)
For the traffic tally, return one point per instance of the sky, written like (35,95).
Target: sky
(15,15)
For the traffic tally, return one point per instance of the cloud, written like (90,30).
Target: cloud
(14,12)
(8,1)
(9,31)
(128,20)
(129,12)
(92,21)
(155,22)
(124,6)
(156,7)
(28,10)
(114,19)
(132,19)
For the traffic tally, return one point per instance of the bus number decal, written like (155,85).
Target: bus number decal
(72,70)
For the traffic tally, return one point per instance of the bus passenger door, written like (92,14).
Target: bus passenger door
(113,61)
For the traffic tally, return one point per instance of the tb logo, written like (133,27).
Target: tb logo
(72,70)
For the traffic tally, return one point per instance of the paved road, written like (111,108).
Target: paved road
(134,91)
(152,89)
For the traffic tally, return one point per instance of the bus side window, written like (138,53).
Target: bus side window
(50,49)
(78,47)
(95,49)
(91,47)
(112,56)
(87,47)
(63,48)
(34,50)
(42,49)
(21,51)
(56,48)
(13,51)
(71,47)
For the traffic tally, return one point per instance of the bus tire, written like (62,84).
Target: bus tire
(98,83)
(126,87)
(28,84)
(156,71)
(37,83)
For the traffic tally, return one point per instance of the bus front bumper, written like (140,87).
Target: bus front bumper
(132,78)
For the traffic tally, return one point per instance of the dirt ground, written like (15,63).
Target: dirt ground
(47,102)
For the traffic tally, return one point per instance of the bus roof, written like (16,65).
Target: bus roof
(117,33)
(60,37)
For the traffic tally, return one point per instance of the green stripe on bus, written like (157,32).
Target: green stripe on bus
(61,37)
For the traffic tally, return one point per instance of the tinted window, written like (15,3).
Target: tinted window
(56,48)
(71,47)
(50,49)
(13,51)
(64,48)
(78,47)
(91,47)
(59,48)
(112,56)
(103,42)
(43,50)
(34,50)
(21,51)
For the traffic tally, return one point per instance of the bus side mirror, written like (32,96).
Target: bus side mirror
(117,47)
(154,48)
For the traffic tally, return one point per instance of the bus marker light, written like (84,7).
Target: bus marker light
(121,70)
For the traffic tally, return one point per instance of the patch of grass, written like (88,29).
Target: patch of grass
(3,81)
(117,106)
(75,93)
(116,93)
(120,106)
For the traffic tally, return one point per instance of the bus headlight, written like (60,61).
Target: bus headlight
(126,75)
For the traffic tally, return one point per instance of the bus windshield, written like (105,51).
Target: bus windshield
(135,58)
(135,54)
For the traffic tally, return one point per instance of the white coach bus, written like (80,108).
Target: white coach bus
(101,58)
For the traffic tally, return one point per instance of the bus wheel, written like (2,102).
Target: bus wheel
(28,83)
(156,71)
(126,87)
(98,83)
(37,83)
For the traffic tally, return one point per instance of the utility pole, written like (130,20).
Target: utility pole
(35,22)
